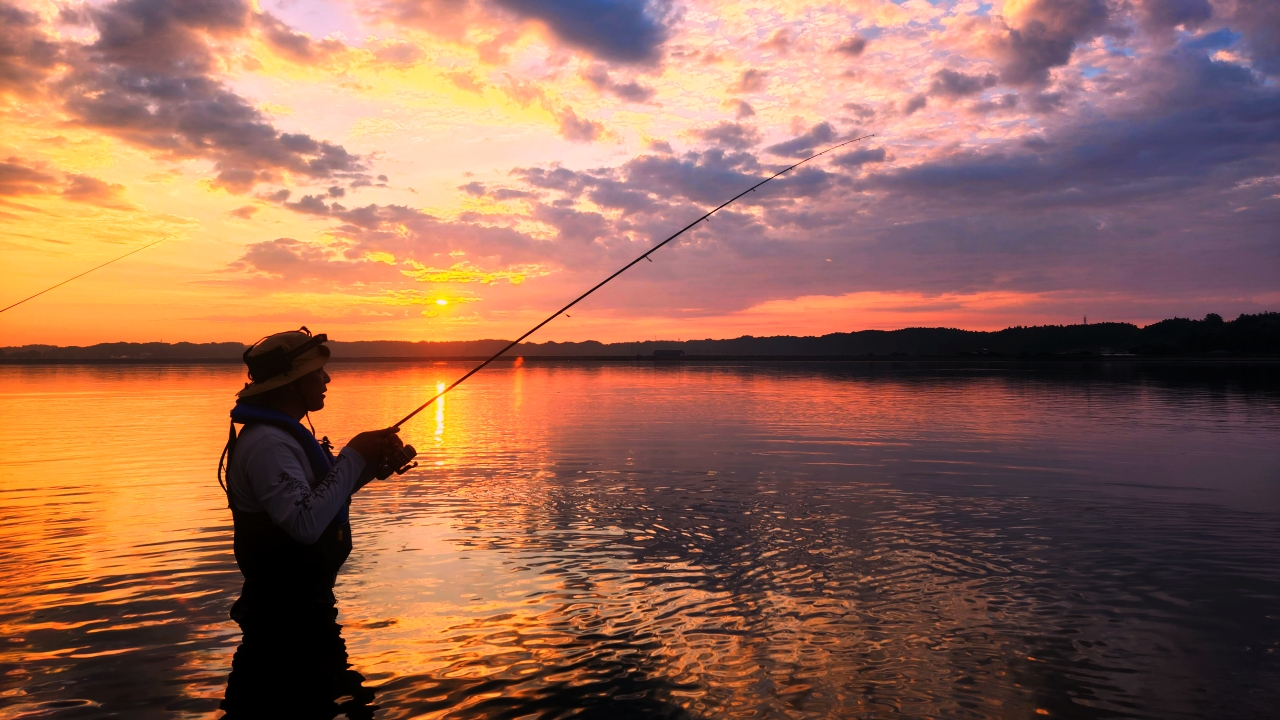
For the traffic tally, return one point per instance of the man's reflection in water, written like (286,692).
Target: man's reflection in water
(293,664)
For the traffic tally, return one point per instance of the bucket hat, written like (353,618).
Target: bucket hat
(279,359)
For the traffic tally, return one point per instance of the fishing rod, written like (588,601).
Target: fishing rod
(602,283)
(86,272)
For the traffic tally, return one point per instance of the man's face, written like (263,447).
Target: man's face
(312,385)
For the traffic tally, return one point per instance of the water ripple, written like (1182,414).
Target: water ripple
(709,541)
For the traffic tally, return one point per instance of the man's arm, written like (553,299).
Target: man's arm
(275,472)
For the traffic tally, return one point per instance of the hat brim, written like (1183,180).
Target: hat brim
(310,362)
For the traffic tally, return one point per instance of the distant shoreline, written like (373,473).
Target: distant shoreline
(550,359)
(1247,336)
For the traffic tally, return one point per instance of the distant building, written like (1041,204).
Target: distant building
(668,354)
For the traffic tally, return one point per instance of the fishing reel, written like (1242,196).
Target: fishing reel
(398,462)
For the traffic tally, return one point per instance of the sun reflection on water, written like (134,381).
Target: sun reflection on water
(440,414)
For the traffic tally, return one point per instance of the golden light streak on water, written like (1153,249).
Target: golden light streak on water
(440,413)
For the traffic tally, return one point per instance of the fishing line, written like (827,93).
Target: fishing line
(602,283)
(86,272)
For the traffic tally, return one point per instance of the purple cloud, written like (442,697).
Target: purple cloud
(1042,34)
(150,79)
(952,84)
(804,145)
(726,134)
(27,54)
(615,31)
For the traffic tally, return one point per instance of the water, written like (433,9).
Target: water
(828,540)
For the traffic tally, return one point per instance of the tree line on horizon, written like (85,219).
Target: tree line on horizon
(1257,334)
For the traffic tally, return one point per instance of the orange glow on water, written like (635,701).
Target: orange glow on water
(725,529)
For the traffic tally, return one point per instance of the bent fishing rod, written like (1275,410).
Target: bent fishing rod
(602,283)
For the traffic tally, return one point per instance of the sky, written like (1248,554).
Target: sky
(459,169)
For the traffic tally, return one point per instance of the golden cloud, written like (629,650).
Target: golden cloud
(466,272)
(418,297)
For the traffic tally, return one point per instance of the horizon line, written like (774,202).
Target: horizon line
(678,340)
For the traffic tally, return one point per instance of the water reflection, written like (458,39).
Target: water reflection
(293,663)
(440,413)
(682,541)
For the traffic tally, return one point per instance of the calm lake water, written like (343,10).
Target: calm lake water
(732,540)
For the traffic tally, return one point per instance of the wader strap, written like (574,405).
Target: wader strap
(226,456)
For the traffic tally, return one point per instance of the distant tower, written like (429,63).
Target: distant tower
(1086,319)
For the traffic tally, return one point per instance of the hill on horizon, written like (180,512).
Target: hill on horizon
(1246,335)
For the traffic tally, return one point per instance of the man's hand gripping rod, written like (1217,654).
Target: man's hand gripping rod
(408,453)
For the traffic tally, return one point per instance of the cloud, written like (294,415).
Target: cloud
(571,126)
(296,261)
(615,31)
(852,46)
(860,157)
(476,189)
(711,176)
(860,110)
(280,255)
(752,80)
(1217,40)
(1171,13)
(398,54)
(952,84)
(150,78)
(1131,148)
(313,205)
(615,195)
(631,91)
(1259,22)
(628,31)
(298,47)
(412,234)
(653,193)
(410,298)
(1041,34)
(16,178)
(467,272)
(1008,101)
(728,134)
(1132,196)
(661,146)
(741,109)
(466,81)
(779,42)
(91,190)
(27,54)
(804,145)
(577,129)
(1209,119)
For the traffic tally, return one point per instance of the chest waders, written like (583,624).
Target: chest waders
(279,571)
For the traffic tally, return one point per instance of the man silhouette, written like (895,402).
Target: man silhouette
(289,498)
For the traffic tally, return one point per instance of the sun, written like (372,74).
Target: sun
(442,301)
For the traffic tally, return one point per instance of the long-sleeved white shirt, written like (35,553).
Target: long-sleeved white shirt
(269,472)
